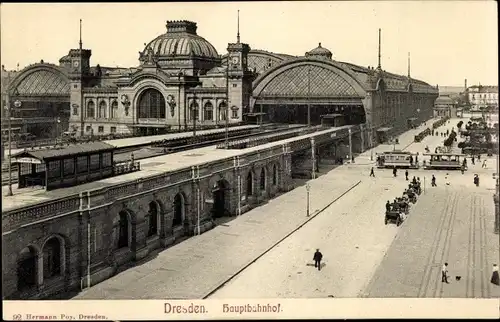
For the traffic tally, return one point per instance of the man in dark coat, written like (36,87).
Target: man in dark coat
(372,174)
(394,172)
(406,175)
(433,181)
(387,206)
(317,259)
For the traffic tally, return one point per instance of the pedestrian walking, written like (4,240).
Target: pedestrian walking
(479,157)
(494,275)
(387,206)
(394,172)
(444,273)
(476,180)
(433,181)
(372,174)
(484,164)
(317,259)
(406,175)
(472,160)
(462,169)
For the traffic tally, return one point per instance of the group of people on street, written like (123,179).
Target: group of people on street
(402,204)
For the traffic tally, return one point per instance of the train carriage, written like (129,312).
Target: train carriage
(397,159)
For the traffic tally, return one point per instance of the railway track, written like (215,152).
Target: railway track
(159,148)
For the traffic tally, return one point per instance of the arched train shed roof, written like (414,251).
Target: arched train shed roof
(41,80)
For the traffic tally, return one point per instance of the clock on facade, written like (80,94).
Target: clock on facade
(235,59)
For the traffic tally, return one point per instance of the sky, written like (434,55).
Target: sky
(448,40)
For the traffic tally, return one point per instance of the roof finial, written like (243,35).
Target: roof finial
(80,34)
(379,36)
(319,44)
(238,35)
(409,65)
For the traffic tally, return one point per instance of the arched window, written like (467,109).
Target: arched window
(151,105)
(102,109)
(208,112)
(178,210)
(275,175)
(153,219)
(262,179)
(26,269)
(222,111)
(249,184)
(193,110)
(123,230)
(114,109)
(52,258)
(91,109)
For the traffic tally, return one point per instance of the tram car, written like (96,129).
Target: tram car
(444,161)
(396,159)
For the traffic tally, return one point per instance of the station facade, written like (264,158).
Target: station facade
(182,82)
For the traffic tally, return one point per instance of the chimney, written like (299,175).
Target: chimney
(466,84)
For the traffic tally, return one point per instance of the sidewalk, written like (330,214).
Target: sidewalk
(199,265)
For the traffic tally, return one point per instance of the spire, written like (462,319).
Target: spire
(80,34)
(379,36)
(238,34)
(409,65)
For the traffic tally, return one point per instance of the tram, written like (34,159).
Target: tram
(396,159)
(444,161)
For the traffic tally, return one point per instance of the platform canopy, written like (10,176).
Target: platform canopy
(43,155)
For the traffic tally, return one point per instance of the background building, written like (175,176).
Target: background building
(444,106)
(482,97)
(182,82)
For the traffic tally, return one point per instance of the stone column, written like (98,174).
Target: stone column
(350,143)
(39,271)
(362,129)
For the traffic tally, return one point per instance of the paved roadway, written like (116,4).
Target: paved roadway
(452,223)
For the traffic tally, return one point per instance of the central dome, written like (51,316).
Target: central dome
(319,52)
(443,100)
(181,40)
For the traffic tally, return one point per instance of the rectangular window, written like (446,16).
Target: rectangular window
(88,128)
(113,129)
(75,110)
(82,164)
(94,161)
(100,129)
(234,114)
(106,159)
(54,169)
(235,85)
(69,167)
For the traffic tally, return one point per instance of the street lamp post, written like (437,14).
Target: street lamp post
(58,122)
(308,187)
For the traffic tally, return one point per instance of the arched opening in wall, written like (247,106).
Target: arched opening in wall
(123,230)
(179,210)
(52,258)
(221,205)
(151,105)
(114,109)
(102,109)
(91,109)
(222,111)
(153,217)
(26,268)
(275,175)
(194,110)
(262,181)
(249,184)
(208,113)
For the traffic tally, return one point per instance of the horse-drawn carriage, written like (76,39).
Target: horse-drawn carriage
(396,212)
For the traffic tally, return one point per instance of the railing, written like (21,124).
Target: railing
(126,167)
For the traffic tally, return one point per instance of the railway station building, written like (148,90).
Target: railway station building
(182,82)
